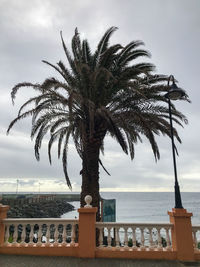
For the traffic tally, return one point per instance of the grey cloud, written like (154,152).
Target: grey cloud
(30,33)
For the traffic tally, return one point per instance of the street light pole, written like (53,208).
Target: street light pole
(174,93)
(178,202)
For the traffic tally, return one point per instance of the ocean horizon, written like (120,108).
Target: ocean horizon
(147,206)
(140,206)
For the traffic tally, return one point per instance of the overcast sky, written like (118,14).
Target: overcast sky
(29,33)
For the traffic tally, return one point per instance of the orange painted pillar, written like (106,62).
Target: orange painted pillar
(3,215)
(182,240)
(87,232)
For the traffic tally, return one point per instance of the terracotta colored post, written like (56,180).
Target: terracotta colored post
(182,240)
(3,215)
(87,231)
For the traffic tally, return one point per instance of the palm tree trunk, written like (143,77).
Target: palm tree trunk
(90,175)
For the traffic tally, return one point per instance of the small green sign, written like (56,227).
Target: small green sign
(109,210)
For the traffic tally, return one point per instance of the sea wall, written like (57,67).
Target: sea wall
(45,209)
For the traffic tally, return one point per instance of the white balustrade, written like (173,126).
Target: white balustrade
(133,238)
(73,234)
(23,234)
(31,237)
(143,236)
(40,232)
(56,235)
(117,236)
(101,237)
(196,237)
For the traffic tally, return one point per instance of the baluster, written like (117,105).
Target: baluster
(7,235)
(159,240)
(194,233)
(168,239)
(64,235)
(47,235)
(23,235)
(100,236)
(39,235)
(125,237)
(117,237)
(133,238)
(154,237)
(150,239)
(31,235)
(56,234)
(61,229)
(109,236)
(142,247)
(73,235)
(15,235)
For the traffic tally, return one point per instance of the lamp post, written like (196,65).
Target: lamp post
(174,93)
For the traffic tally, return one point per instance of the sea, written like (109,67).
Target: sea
(140,207)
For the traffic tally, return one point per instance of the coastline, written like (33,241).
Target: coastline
(45,209)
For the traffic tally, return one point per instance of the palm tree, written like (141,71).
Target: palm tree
(101,93)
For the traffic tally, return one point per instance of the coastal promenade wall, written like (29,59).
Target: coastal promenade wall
(15,199)
(86,238)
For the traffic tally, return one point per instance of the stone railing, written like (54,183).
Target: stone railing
(40,232)
(86,238)
(135,236)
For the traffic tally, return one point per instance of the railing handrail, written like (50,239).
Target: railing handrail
(118,224)
(38,220)
(195,227)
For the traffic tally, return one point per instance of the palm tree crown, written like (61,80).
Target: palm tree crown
(101,93)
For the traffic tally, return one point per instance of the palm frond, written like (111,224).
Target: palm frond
(64,160)
(24,84)
(103,45)
(22,116)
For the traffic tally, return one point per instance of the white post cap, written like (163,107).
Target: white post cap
(88,200)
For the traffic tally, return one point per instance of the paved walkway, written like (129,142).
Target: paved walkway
(45,261)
